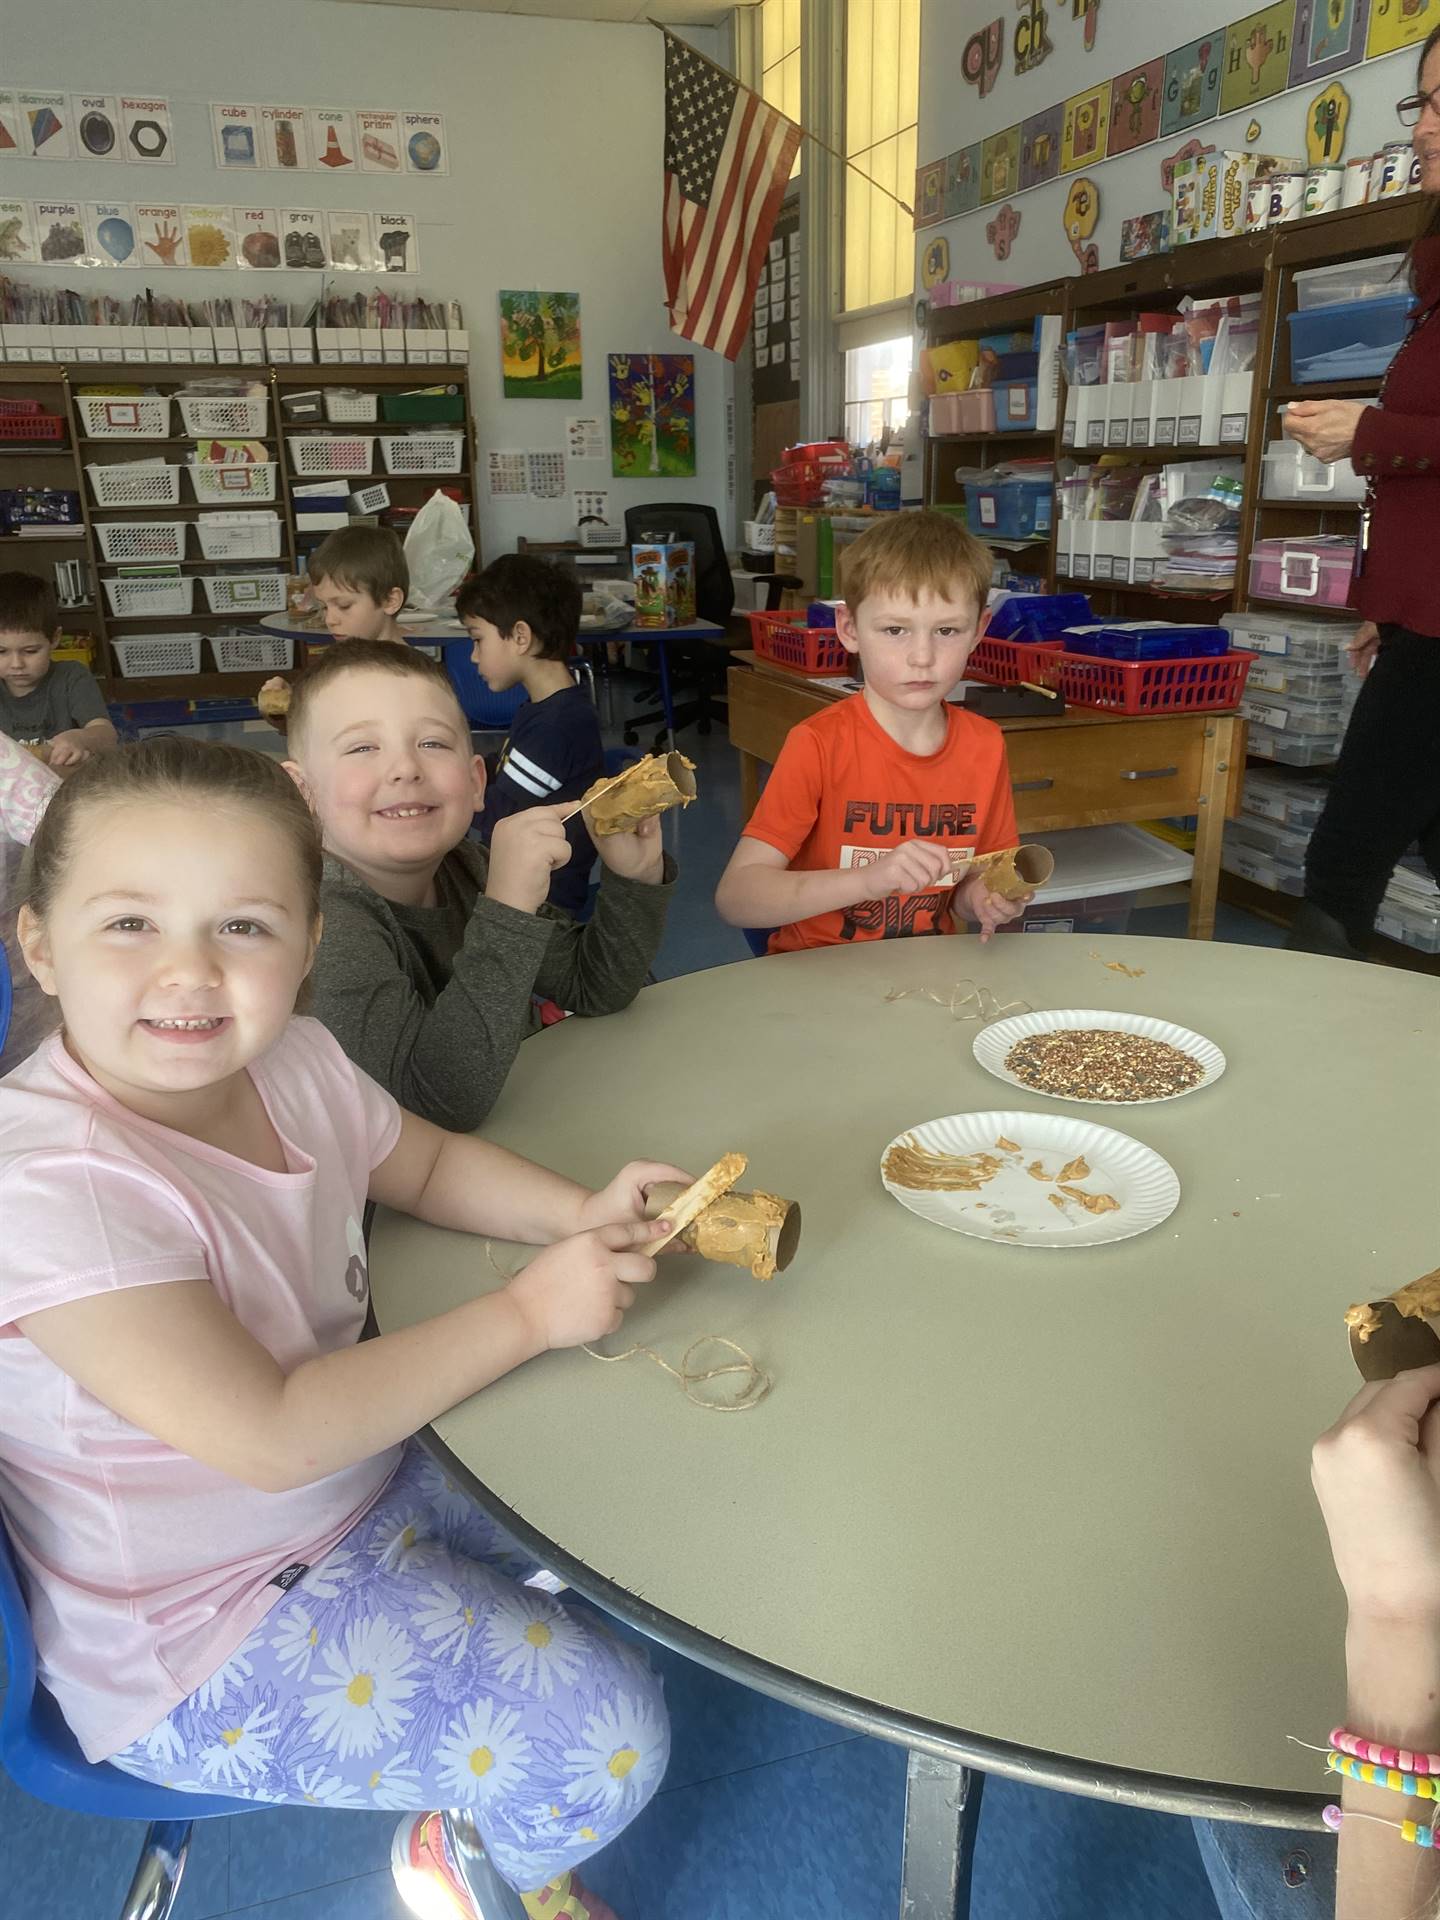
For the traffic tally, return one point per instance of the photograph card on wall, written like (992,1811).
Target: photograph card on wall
(423,144)
(379,136)
(110,236)
(257,237)
(45,120)
(1329,37)
(12,136)
(96,118)
(146,125)
(332,139)
(162,237)
(397,244)
(1190,94)
(285,135)
(302,237)
(351,248)
(18,246)
(235,132)
(210,236)
(59,230)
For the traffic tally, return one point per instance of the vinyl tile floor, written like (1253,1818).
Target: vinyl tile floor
(766,1813)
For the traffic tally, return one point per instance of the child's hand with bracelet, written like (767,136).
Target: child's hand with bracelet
(975,901)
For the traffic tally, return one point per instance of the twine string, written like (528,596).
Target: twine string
(986,1007)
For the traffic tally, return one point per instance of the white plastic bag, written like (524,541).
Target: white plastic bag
(438,552)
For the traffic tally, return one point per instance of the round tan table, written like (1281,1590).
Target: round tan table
(1046,1513)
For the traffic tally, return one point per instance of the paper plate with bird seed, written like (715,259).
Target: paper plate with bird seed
(1101,1059)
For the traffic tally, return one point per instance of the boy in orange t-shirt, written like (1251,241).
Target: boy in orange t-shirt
(853,834)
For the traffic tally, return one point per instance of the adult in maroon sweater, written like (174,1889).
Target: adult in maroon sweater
(1386,790)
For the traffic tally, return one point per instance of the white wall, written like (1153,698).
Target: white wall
(555,134)
(1130,32)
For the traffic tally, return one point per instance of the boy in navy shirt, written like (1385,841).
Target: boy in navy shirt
(523,615)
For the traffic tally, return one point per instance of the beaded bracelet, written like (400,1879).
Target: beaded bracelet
(1378,1756)
(1419,1786)
(1409,1830)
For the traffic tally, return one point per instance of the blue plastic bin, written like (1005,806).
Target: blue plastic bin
(1157,640)
(1354,340)
(1015,402)
(1038,616)
(1009,509)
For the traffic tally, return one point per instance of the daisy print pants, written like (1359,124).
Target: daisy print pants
(410,1669)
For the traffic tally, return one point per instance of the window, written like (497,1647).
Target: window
(780,61)
(882,106)
(877,390)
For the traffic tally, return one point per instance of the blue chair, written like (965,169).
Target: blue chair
(758,939)
(7,996)
(42,1756)
(486,710)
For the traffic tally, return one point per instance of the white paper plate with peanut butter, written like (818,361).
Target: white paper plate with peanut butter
(1030,1179)
(1098,1058)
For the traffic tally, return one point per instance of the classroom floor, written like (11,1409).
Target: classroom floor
(766,1813)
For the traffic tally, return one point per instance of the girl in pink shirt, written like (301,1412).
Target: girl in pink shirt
(243,1573)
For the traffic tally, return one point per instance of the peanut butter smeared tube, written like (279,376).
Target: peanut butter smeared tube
(652,785)
(1397,1333)
(759,1231)
(1010,872)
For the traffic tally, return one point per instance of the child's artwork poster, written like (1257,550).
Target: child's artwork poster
(17,234)
(1135,107)
(332,138)
(147,129)
(1190,93)
(1000,165)
(379,134)
(210,236)
(285,136)
(930,194)
(396,242)
(59,230)
(45,119)
(652,415)
(1329,36)
(97,125)
(962,181)
(110,237)
(422,140)
(540,346)
(1087,125)
(302,237)
(1040,146)
(1257,56)
(257,237)
(1400,23)
(162,237)
(235,131)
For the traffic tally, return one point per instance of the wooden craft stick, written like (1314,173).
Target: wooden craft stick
(1034,686)
(580,805)
(704,1193)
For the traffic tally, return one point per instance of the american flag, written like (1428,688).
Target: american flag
(727,161)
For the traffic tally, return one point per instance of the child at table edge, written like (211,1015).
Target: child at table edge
(436,946)
(360,578)
(54,707)
(244,1576)
(852,837)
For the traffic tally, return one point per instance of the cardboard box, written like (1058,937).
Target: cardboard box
(328,344)
(392,345)
(457,345)
(252,345)
(371,351)
(1211,191)
(227,346)
(664,584)
(132,343)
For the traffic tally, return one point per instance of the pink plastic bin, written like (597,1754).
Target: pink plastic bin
(1319,571)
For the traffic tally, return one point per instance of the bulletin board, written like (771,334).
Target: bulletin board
(776,336)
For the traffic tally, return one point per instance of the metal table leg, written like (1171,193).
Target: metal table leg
(666,698)
(494,1898)
(942,1814)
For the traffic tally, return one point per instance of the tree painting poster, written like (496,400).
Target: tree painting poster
(652,415)
(540,346)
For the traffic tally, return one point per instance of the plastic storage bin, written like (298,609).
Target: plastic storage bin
(1351,340)
(1303,683)
(1250,864)
(348,408)
(1319,570)
(1291,637)
(1293,474)
(977,410)
(423,407)
(245,593)
(1037,616)
(1411,926)
(150,597)
(147,654)
(252,652)
(239,536)
(233,480)
(1146,640)
(422,452)
(30,427)
(945,413)
(1318,717)
(245,414)
(128,416)
(1015,402)
(331,452)
(1352,280)
(1269,837)
(786,641)
(1291,750)
(153,484)
(372,499)
(1289,803)
(122,540)
(1013,509)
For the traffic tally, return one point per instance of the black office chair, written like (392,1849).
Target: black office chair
(702,665)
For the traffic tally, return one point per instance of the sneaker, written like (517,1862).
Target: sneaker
(424,1877)
(566,1899)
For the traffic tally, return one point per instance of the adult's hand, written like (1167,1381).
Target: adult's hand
(1325,428)
(1363,648)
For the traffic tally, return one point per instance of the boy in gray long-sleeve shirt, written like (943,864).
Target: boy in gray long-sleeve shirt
(432,948)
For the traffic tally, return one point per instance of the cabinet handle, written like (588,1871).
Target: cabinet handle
(1030,786)
(1152,773)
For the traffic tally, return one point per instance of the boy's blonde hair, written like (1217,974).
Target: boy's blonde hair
(916,552)
(366,559)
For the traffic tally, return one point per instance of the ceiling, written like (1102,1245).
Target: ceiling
(671,13)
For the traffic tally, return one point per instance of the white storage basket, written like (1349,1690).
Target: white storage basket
(233,480)
(321,453)
(239,536)
(151,485)
(245,593)
(759,536)
(252,652)
(373,499)
(122,540)
(127,416)
(346,408)
(422,452)
(146,598)
(224,413)
(146,654)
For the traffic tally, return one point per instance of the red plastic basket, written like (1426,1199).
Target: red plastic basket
(785,641)
(800,484)
(1008,662)
(20,406)
(1154,686)
(31,426)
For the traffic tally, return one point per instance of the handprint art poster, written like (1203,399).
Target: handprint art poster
(652,415)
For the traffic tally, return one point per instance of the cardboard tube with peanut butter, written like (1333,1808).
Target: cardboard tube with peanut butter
(1397,1333)
(1011,871)
(653,785)
(755,1230)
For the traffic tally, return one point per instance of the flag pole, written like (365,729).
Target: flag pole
(824,145)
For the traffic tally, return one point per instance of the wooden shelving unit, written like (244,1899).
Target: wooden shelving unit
(63,467)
